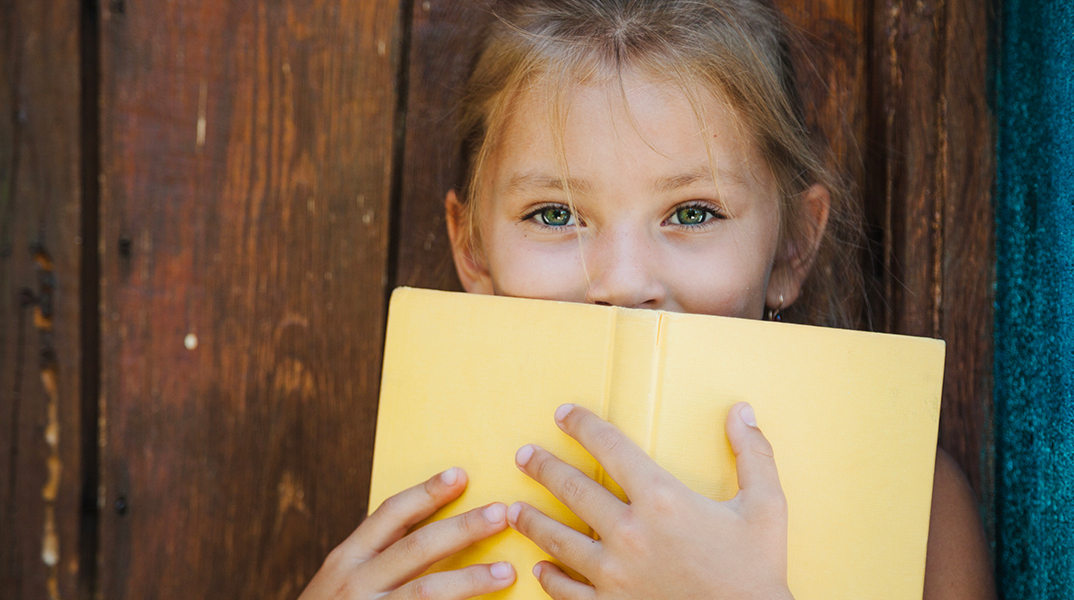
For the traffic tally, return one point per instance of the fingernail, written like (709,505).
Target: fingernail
(494,513)
(747,415)
(450,476)
(512,512)
(537,570)
(524,454)
(501,570)
(563,411)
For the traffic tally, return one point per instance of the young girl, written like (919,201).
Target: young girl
(646,154)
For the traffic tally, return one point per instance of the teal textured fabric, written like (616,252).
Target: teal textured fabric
(1034,333)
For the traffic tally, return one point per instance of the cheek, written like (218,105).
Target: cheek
(520,266)
(723,289)
(728,278)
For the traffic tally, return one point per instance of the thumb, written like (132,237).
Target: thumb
(756,465)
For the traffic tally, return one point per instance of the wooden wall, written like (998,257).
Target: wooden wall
(42,349)
(203,207)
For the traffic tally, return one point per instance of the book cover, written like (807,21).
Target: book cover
(852,418)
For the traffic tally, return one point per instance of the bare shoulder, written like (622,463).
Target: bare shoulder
(958,566)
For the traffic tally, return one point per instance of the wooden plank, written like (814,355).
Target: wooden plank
(833,74)
(443,37)
(930,122)
(40,259)
(908,52)
(246,157)
(969,251)
(10,312)
(834,79)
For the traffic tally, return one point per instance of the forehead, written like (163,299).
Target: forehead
(634,127)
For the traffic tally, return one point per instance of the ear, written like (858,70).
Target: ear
(792,266)
(473,273)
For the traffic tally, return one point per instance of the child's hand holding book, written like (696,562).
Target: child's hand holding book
(379,559)
(472,380)
(668,542)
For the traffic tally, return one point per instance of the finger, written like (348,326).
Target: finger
(468,582)
(592,502)
(574,549)
(758,479)
(396,515)
(561,586)
(410,556)
(627,464)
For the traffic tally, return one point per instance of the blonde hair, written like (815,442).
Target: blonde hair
(739,50)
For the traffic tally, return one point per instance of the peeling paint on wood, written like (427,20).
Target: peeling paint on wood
(50,542)
(50,545)
(40,335)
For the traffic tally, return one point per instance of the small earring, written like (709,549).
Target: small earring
(772,314)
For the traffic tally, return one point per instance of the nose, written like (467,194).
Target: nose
(623,272)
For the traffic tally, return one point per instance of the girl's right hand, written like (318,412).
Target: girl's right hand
(380,559)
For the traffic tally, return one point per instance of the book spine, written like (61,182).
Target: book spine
(633,380)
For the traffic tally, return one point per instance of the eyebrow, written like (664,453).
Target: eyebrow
(699,174)
(541,181)
(535,181)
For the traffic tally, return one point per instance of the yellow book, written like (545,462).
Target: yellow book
(852,417)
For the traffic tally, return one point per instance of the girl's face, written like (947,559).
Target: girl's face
(650,227)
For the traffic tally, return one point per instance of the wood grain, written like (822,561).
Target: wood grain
(969,258)
(932,178)
(246,154)
(833,74)
(909,51)
(40,258)
(443,35)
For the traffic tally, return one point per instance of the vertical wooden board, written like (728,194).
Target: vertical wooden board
(246,157)
(833,74)
(834,79)
(12,314)
(443,36)
(40,257)
(908,60)
(969,255)
(10,306)
(932,182)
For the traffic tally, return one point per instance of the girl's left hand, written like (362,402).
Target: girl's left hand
(668,542)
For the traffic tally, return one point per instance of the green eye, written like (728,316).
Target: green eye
(556,216)
(690,215)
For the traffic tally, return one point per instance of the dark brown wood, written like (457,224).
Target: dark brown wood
(931,200)
(969,252)
(908,52)
(443,35)
(834,75)
(246,156)
(40,258)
